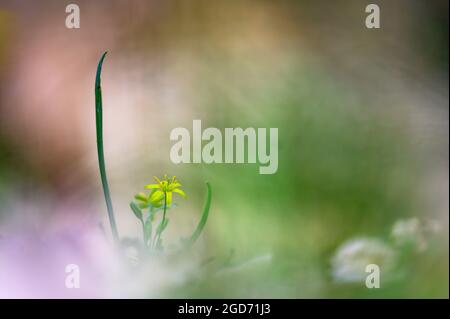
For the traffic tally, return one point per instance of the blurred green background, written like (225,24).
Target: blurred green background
(362,116)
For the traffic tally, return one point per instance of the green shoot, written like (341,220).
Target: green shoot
(101,159)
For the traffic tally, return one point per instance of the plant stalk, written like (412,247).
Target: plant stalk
(144,234)
(163,219)
(101,159)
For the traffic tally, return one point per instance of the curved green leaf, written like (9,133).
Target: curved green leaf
(204,217)
(101,158)
(136,210)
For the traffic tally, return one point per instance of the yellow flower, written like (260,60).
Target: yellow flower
(164,187)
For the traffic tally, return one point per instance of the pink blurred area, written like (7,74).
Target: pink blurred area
(48,86)
(34,256)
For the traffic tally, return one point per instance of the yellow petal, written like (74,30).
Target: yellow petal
(179,191)
(157,179)
(169,198)
(173,186)
(141,197)
(152,186)
(156,196)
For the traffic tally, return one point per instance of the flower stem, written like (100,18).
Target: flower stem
(144,237)
(101,159)
(163,219)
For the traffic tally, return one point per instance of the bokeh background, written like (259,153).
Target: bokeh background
(363,146)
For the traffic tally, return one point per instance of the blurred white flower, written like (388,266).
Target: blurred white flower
(409,231)
(414,232)
(351,258)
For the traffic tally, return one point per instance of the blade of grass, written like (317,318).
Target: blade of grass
(203,219)
(101,159)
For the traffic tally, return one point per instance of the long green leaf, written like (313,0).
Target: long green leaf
(101,159)
(204,217)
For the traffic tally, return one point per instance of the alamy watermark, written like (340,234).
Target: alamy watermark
(73,276)
(373,18)
(373,278)
(238,145)
(73,17)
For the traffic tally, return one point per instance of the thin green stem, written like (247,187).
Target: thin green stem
(101,159)
(163,219)
(144,233)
